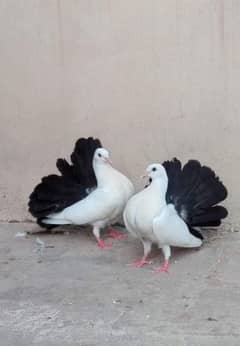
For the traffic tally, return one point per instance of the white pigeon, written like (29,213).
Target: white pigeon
(175,201)
(61,200)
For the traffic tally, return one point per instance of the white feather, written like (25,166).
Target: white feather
(103,205)
(140,211)
(171,230)
(148,217)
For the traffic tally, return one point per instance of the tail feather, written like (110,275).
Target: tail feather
(210,190)
(64,168)
(42,208)
(190,177)
(174,172)
(54,194)
(54,187)
(81,169)
(196,233)
(77,179)
(209,224)
(206,217)
(195,191)
(81,159)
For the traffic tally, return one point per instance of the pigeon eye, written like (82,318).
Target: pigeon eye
(154,169)
(99,155)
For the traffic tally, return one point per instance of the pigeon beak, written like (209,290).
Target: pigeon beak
(144,176)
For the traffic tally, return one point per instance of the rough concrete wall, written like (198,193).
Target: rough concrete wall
(152,79)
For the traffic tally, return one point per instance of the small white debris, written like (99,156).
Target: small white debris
(21,235)
(39,242)
(147,316)
(116,301)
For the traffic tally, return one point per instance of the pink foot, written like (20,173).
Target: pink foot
(140,262)
(102,244)
(163,268)
(117,235)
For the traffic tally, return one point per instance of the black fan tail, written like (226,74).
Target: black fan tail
(209,216)
(195,191)
(81,158)
(55,192)
(65,168)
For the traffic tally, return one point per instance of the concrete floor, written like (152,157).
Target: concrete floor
(77,294)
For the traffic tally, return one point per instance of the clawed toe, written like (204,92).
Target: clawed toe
(104,245)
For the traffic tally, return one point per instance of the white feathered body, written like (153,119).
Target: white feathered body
(140,211)
(147,216)
(102,206)
(171,230)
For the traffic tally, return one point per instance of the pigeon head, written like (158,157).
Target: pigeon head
(156,170)
(101,155)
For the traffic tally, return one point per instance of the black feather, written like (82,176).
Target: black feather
(195,232)
(81,169)
(209,215)
(44,225)
(195,191)
(65,169)
(55,192)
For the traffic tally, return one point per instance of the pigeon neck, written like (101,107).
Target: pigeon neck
(103,173)
(160,185)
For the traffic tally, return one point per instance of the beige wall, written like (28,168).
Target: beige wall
(152,79)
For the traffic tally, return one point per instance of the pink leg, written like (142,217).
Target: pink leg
(140,262)
(147,248)
(115,234)
(163,268)
(100,242)
(103,244)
